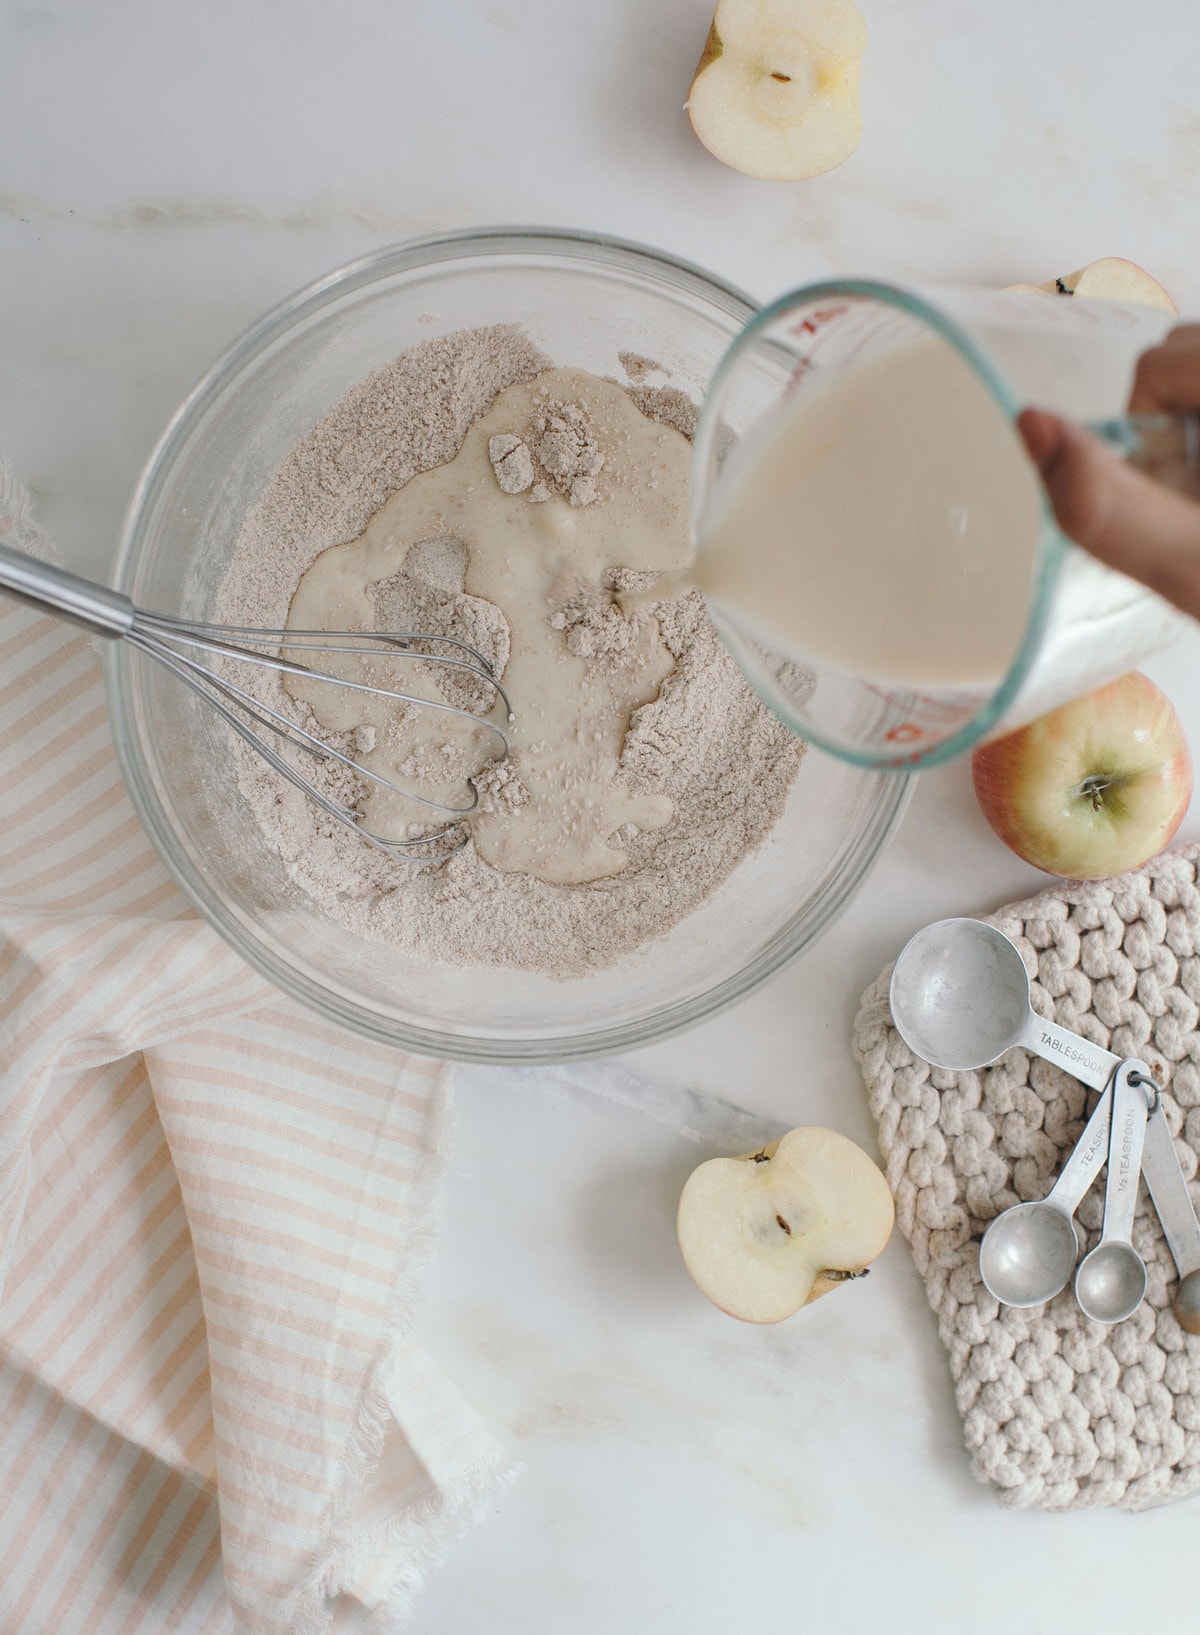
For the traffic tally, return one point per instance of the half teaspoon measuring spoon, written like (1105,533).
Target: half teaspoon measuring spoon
(1110,1284)
(960,998)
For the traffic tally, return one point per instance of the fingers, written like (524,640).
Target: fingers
(1168,376)
(1121,516)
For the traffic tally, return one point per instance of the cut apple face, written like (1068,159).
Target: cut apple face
(776,91)
(1112,278)
(764,1234)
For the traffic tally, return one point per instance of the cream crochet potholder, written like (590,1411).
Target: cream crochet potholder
(1057,1411)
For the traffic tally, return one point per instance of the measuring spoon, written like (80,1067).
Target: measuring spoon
(960,998)
(1029,1252)
(1173,1202)
(1110,1284)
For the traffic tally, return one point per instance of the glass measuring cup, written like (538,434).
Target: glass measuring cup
(1079,623)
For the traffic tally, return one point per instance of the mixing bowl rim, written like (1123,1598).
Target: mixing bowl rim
(567,246)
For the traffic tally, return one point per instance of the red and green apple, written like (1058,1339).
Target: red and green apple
(1094,788)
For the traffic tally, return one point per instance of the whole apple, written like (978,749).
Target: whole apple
(1094,788)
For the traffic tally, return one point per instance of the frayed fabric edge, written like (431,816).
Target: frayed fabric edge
(425,1533)
(17,524)
(427,1529)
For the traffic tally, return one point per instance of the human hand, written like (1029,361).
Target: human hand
(1119,514)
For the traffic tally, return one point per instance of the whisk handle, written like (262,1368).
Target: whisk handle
(95,607)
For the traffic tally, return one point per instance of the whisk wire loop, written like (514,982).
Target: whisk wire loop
(174,643)
(198,636)
(228,700)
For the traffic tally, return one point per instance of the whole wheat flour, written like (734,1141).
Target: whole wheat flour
(704,742)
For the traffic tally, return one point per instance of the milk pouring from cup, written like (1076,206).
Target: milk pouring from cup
(873,541)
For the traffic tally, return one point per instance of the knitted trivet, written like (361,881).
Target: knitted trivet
(1057,1411)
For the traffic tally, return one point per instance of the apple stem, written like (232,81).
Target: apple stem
(845,1277)
(1094,788)
(1062,288)
(762,1158)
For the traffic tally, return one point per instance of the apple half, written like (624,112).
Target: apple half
(1095,787)
(775,94)
(1110,279)
(766,1233)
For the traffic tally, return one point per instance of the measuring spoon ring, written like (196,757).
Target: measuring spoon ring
(1111,1281)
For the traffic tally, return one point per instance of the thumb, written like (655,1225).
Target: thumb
(1120,515)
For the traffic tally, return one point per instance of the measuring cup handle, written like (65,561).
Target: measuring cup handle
(1079,1057)
(1165,446)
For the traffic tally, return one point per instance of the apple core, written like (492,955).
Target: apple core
(790,81)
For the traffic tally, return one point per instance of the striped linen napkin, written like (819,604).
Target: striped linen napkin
(214,1413)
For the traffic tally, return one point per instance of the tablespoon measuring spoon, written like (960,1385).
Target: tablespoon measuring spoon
(1111,1281)
(960,998)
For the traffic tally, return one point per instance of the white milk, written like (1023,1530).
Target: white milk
(887,526)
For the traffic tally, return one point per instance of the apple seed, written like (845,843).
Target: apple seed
(784,1224)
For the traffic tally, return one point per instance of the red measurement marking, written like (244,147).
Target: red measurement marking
(906,733)
(817,320)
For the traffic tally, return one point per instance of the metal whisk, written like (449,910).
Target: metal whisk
(183,647)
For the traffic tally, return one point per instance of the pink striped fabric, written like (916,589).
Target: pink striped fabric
(214,1413)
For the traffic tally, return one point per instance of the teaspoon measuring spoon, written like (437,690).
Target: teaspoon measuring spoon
(960,998)
(1111,1281)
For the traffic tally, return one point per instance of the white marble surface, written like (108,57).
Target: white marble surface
(169,170)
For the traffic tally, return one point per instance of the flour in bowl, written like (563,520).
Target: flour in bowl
(471,489)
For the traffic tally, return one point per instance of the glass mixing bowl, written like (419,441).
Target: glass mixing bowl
(582,299)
